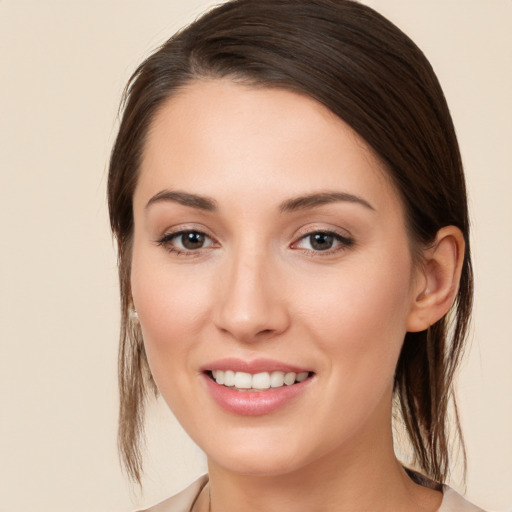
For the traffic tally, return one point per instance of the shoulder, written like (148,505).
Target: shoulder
(454,502)
(181,502)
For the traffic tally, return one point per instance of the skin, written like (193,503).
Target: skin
(258,288)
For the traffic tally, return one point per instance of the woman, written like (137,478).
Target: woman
(289,204)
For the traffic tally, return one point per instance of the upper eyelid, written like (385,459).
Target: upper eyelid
(185,228)
(336,234)
(311,230)
(341,238)
(169,235)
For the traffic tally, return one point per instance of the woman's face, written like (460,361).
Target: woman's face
(270,249)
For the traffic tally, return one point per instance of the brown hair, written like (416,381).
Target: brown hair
(369,73)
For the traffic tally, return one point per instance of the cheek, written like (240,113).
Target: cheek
(358,320)
(171,309)
(359,315)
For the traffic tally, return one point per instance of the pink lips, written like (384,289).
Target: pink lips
(255,366)
(252,403)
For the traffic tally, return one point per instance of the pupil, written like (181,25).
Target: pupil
(192,240)
(321,241)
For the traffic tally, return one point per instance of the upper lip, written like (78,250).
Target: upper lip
(253,366)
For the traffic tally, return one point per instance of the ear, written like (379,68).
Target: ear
(438,279)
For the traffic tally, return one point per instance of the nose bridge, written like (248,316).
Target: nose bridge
(251,305)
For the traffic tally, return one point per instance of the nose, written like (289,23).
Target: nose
(252,300)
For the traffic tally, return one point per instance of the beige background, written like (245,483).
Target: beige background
(63,64)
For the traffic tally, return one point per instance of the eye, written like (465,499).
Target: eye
(186,241)
(323,241)
(190,240)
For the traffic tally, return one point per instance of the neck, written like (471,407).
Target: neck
(367,476)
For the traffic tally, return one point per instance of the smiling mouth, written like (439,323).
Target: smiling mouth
(243,381)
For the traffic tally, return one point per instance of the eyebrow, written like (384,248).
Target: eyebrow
(290,205)
(319,199)
(184,198)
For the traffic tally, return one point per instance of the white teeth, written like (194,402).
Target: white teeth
(262,380)
(229,378)
(243,380)
(300,376)
(277,379)
(289,378)
(219,377)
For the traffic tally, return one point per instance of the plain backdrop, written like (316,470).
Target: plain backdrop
(63,64)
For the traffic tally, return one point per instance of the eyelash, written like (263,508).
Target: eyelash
(166,242)
(343,241)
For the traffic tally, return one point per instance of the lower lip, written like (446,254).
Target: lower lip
(254,403)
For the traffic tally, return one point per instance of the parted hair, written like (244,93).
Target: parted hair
(369,73)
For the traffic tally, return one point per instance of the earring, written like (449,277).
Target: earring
(133,315)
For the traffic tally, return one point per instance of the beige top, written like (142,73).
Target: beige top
(183,501)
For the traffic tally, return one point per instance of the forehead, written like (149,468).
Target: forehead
(255,139)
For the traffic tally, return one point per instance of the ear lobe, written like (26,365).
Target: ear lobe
(441,270)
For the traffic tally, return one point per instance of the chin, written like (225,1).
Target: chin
(258,465)
(262,456)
